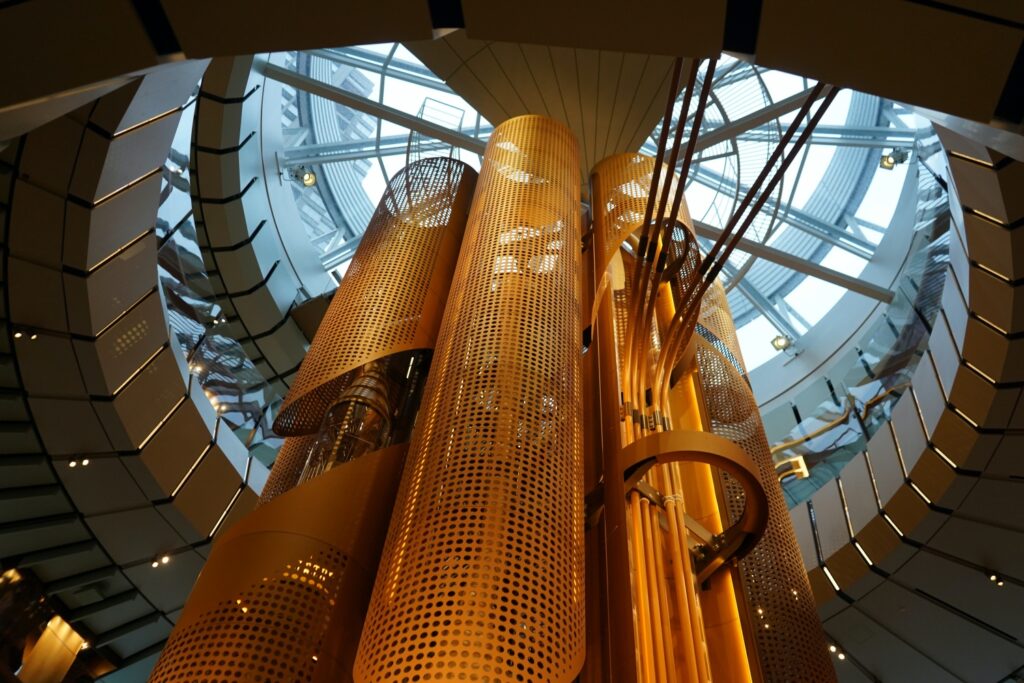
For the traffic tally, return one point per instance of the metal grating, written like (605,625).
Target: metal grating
(790,640)
(482,575)
(392,297)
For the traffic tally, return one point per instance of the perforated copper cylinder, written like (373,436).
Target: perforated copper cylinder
(620,185)
(790,640)
(482,574)
(391,300)
(284,591)
(392,297)
(291,459)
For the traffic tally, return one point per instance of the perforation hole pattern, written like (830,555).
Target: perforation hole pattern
(381,305)
(482,575)
(267,633)
(790,640)
(621,185)
(291,459)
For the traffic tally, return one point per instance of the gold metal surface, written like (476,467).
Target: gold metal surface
(51,656)
(703,447)
(482,576)
(291,460)
(393,295)
(620,186)
(284,591)
(790,640)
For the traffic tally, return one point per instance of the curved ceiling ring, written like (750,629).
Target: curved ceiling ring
(131,439)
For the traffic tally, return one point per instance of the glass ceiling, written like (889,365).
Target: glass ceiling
(353,153)
(832,208)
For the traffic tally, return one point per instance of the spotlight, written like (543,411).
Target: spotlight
(781,342)
(74,463)
(841,656)
(165,559)
(18,335)
(304,175)
(832,648)
(85,462)
(155,564)
(34,336)
(897,156)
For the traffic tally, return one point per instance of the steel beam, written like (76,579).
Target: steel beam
(751,121)
(376,109)
(354,150)
(798,218)
(374,63)
(840,136)
(815,270)
(761,303)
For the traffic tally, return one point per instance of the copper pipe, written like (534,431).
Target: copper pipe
(696,621)
(658,632)
(643,624)
(776,178)
(648,211)
(698,119)
(663,595)
(620,607)
(693,305)
(682,602)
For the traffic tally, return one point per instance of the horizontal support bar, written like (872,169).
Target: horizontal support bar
(800,265)
(396,116)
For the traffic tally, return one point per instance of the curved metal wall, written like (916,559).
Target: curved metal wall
(288,466)
(787,630)
(305,561)
(411,244)
(482,574)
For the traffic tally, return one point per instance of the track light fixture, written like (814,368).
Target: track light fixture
(303,174)
(898,155)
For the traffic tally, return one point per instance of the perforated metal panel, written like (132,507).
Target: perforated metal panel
(790,640)
(482,574)
(284,591)
(392,297)
(269,631)
(287,469)
(620,187)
